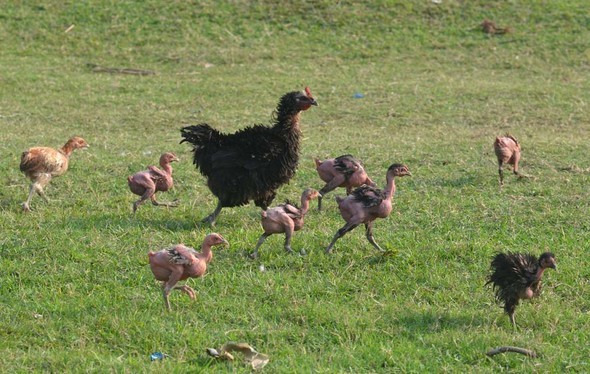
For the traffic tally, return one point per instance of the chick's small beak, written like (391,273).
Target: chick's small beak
(176,159)
(225,243)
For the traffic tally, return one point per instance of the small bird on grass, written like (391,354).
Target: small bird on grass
(285,218)
(342,171)
(179,262)
(146,183)
(516,276)
(40,164)
(507,150)
(366,204)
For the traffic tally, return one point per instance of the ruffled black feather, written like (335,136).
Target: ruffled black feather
(511,274)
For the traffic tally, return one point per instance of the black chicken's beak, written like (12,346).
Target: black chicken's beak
(313,102)
(553,266)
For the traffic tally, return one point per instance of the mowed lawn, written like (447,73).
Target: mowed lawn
(415,82)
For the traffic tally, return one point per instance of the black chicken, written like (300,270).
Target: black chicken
(516,276)
(251,163)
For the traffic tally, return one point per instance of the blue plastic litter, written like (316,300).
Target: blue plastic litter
(358,95)
(157,356)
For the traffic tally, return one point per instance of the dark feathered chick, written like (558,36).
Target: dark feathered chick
(516,276)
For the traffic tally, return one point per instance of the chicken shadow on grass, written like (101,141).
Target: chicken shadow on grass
(468,180)
(106,221)
(423,322)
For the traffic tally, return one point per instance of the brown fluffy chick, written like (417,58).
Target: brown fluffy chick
(507,151)
(177,263)
(366,204)
(285,218)
(342,171)
(146,183)
(40,164)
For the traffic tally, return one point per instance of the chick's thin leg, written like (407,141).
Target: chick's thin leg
(510,308)
(515,170)
(149,192)
(369,234)
(170,204)
(501,172)
(165,294)
(187,290)
(41,192)
(330,186)
(340,233)
(261,240)
(41,182)
(288,234)
(169,285)
(512,319)
(26,204)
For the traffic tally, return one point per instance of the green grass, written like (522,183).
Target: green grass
(75,289)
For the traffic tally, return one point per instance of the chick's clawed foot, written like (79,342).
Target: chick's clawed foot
(188,290)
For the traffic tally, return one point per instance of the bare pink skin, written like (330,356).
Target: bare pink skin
(534,289)
(507,151)
(355,212)
(285,218)
(187,263)
(40,164)
(353,175)
(529,293)
(146,183)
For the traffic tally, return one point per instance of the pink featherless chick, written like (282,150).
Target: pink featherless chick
(146,183)
(179,262)
(342,171)
(366,204)
(285,218)
(507,151)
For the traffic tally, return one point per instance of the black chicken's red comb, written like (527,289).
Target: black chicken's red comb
(308,92)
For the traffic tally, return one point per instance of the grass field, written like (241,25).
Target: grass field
(76,293)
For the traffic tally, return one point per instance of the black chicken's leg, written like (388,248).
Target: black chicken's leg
(210,219)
